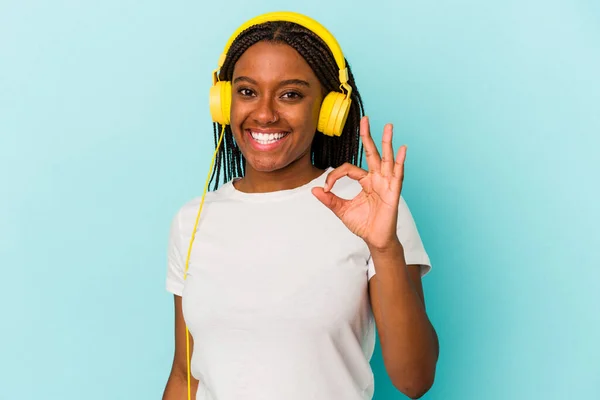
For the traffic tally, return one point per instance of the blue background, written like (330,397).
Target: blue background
(105,132)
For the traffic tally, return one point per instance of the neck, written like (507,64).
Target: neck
(292,176)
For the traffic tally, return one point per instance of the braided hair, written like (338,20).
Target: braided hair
(326,151)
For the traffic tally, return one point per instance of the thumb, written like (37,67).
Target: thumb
(330,200)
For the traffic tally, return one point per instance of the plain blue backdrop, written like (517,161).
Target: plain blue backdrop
(105,132)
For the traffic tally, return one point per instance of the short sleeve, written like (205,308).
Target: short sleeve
(414,251)
(175,260)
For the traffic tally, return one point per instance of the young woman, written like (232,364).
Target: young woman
(300,254)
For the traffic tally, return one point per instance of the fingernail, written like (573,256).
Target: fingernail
(325,187)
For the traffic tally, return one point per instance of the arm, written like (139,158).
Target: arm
(408,341)
(176,388)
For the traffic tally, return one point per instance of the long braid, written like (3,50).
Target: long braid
(326,151)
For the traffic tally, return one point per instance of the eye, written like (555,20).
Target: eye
(292,95)
(245,92)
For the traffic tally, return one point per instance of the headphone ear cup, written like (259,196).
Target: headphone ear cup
(333,114)
(220,102)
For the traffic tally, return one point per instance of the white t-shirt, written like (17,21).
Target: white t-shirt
(276,295)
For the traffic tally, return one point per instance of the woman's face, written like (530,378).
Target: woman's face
(275,105)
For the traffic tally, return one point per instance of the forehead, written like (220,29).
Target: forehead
(269,62)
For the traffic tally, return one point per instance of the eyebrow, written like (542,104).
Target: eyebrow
(299,82)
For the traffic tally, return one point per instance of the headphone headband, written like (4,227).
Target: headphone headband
(304,21)
(335,106)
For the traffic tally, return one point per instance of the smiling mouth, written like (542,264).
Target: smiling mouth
(267,138)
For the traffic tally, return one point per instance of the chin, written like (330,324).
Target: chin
(265,164)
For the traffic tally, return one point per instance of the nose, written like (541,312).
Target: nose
(266,112)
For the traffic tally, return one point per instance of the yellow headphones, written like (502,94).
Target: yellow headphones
(335,106)
(332,116)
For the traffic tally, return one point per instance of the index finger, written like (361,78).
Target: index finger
(346,169)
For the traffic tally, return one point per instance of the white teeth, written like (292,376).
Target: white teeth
(267,138)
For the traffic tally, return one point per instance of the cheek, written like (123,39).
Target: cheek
(315,112)
(308,117)
(311,118)
(235,111)
(238,114)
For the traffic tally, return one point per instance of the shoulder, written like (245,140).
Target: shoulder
(187,212)
(211,197)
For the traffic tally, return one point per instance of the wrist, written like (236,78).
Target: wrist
(391,248)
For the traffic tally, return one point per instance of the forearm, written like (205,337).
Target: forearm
(410,348)
(177,388)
